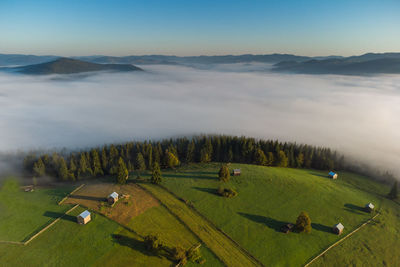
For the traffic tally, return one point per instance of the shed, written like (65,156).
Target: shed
(112,198)
(84,217)
(338,228)
(236,172)
(369,207)
(333,175)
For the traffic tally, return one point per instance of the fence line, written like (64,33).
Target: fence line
(340,240)
(76,189)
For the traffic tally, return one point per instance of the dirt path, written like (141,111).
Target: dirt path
(229,252)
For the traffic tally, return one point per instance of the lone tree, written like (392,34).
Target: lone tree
(393,194)
(140,163)
(122,172)
(224,174)
(303,222)
(156,174)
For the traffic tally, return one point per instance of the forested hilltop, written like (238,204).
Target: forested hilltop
(141,156)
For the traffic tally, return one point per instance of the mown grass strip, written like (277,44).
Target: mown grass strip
(227,251)
(75,190)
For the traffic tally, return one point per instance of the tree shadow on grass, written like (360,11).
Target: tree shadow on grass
(354,209)
(192,176)
(319,175)
(321,227)
(57,215)
(212,191)
(269,222)
(133,244)
(88,198)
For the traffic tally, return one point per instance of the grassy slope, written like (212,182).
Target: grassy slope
(226,250)
(159,221)
(27,212)
(70,244)
(270,197)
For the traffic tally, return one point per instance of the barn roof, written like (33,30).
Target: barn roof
(236,170)
(339,226)
(370,205)
(84,214)
(113,195)
(332,173)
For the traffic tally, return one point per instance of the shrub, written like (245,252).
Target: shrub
(153,243)
(303,222)
(226,192)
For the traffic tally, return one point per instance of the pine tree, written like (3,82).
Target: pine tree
(156,174)
(393,194)
(62,169)
(140,163)
(38,168)
(260,158)
(122,172)
(190,152)
(299,160)
(172,160)
(303,222)
(282,160)
(104,159)
(84,168)
(204,156)
(224,174)
(96,165)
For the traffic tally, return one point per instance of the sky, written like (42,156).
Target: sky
(206,27)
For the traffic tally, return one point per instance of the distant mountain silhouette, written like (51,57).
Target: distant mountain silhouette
(69,66)
(364,65)
(16,59)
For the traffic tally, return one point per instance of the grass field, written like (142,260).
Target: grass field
(222,246)
(22,214)
(270,197)
(102,242)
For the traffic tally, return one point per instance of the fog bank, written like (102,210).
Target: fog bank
(359,116)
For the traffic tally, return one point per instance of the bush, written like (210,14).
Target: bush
(153,243)
(303,222)
(226,192)
(179,255)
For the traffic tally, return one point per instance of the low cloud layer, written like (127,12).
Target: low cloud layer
(359,116)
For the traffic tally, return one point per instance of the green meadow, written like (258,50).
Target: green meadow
(269,197)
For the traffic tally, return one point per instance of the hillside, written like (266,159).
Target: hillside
(269,197)
(351,66)
(69,66)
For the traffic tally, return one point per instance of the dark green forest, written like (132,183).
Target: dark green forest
(169,153)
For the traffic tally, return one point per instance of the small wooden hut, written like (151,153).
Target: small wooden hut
(112,198)
(369,207)
(333,175)
(84,217)
(236,172)
(338,228)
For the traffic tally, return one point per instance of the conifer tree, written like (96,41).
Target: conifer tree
(172,160)
(190,152)
(224,174)
(204,156)
(38,168)
(62,169)
(140,163)
(282,160)
(299,160)
(393,194)
(96,165)
(156,174)
(260,158)
(104,159)
(122,172)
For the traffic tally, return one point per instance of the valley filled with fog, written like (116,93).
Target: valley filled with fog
(358,116)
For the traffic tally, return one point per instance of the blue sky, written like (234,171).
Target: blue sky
(116,27)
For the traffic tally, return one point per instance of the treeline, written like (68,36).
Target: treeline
(141,156)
